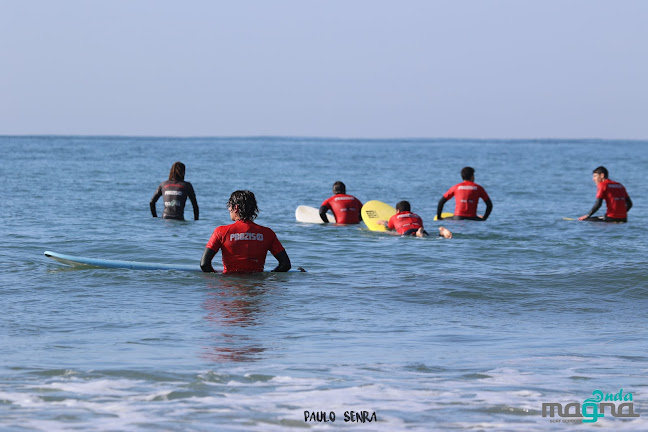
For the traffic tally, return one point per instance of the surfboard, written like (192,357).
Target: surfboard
(373,211)
(311,215)
(444,215)
(570,219)
(78,261)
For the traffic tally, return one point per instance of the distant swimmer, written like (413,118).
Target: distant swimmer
(406,223)
(244,244)
(175,192)
(616,198)
(345,208)
(466,195)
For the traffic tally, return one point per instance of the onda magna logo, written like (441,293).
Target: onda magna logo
(615,404)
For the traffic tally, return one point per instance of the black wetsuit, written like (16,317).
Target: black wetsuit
(175,195)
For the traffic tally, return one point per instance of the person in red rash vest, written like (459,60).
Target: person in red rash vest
(244,244)
(616,198)
(466,195)
(406,223)
(345,208)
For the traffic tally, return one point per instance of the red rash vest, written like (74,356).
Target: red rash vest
(404,221)
(615,198)
(244,246)
(346,208)
(466,195)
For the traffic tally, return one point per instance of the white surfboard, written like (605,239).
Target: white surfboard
(311,215)
(77,261)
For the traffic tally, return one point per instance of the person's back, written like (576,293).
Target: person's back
(405,222)
(466,195)
(174,195)
(346,208)
(615,196)
(244,246)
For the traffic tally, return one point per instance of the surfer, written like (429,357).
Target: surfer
(345,208)
(466,195)
(244,244)
(406,223)
(175,192)
(616,198)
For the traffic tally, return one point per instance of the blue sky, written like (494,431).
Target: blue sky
(353,68)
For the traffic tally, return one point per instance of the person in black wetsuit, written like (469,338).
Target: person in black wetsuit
(175,192)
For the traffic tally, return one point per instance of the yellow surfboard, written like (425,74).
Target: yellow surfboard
(373,211)
(445,215)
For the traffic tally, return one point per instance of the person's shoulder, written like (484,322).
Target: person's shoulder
(264,229)
(251,223)
(221,228)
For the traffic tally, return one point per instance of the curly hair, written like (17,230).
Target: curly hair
(246,202)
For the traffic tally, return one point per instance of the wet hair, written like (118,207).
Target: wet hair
(601,170)
(177,172)
(402,206)
(467,173)
(339,188)
(246,202)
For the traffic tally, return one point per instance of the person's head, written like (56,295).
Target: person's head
(599,174)
(468,173)
(177,172)
(339,188)
(402,206)
(242,204)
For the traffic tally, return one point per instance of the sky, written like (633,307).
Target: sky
(334,68)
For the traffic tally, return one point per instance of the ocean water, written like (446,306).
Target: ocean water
(472,333)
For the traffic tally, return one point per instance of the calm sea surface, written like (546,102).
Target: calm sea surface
(471,333)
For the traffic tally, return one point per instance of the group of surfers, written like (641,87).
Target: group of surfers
(244,244)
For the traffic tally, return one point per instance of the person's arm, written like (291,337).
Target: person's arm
(628,203)
(442,202)
(489,208)
(597,205)
(322,211)
(194,203)
(158,194)
(383,223)
(359,211)
(205,261)
(284,262)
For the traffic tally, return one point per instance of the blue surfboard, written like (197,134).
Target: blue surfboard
(77,261)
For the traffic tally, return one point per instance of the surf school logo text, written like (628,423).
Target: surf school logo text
(593,408)
(246,236)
